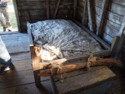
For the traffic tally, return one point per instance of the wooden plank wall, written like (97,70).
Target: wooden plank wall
(79,10)
(112,21)
(37,10)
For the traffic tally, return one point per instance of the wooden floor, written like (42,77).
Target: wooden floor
(21,80)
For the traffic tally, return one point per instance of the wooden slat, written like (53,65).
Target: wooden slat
(77,65)
(76,73)
(28,89)
(92,16)
(119,40)
(57,7)
(75,6)
(14,78)
(20,56)
(102,17)
(84,80)
(16,42)
(84,17)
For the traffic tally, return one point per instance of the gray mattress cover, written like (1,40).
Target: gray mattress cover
(61,39)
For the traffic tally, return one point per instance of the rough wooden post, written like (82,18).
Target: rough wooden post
(91,15)
(104,13)
(75,6)
(84,18)
(37,78)
(36,66)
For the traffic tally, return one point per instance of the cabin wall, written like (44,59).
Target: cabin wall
(88,12)
(37,10)
(113,19)
(79,12)
(103,18)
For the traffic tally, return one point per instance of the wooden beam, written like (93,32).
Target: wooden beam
(77,58)
(92,16)
(76,66)
(75,6)
(48,9)
(57,7)
(84,18)
(104,13)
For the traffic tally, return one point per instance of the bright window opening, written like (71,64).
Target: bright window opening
(8,23)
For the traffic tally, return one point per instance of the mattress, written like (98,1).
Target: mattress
(62,39)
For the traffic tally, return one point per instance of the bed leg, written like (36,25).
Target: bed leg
(37,78)
(54,89)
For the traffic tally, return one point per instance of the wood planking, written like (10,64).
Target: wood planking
(84,17)
(85,80)
(20,80)
(103,14)
(79,10)
(37,10)
(14,78)
(114,19)
(28,89)
(16,42)
(120,41)
(116,16)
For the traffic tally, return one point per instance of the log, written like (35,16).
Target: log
(76,66)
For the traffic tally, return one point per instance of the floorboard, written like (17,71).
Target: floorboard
(21,79)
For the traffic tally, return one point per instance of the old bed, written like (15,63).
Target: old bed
(99,47)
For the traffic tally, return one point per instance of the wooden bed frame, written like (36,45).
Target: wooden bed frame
(37,66)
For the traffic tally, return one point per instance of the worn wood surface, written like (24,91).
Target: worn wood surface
(91,15)
(103,15)
(84,17)
(64,68)
(16,42)
(57,8)
(84,80)
(37,10)
(113,18)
